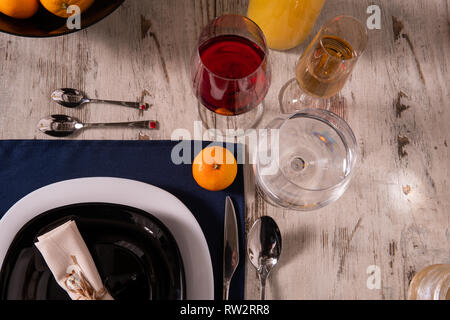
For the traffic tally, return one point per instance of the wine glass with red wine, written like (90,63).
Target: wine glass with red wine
(231,74)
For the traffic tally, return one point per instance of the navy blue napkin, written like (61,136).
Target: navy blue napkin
(26,165)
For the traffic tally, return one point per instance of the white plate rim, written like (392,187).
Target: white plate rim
(160,203)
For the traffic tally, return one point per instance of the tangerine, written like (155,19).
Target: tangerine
(214,168)
(224,112)
(19,9)
(59,7)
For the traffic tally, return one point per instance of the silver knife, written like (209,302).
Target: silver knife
(230,246)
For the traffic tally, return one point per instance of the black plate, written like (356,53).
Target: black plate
(135,254)
(46,24)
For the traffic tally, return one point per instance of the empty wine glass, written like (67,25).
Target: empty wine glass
(305,160)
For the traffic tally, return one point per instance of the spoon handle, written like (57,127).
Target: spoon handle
(263,287)
(134,105)
(149,124)
(226,290)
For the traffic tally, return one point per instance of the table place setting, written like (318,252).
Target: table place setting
(55,174)
(281,189)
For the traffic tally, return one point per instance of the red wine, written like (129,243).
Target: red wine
(231,77)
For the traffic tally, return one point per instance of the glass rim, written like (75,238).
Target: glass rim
(308,113)
(359,23)
(261,34)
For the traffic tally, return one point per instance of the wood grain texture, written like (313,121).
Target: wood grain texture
(396,212)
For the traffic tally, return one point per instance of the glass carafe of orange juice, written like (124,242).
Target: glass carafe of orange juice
(285,23)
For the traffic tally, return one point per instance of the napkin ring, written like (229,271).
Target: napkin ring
(75,282)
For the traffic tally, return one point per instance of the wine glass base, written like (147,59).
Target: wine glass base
(229,126)
(292,98)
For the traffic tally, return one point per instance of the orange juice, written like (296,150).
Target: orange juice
(285,23)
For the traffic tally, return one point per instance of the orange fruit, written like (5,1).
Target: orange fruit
(20,9)
(214,168)
(224,112)
(59,7)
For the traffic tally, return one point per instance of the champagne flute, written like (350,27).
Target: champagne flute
(326,64)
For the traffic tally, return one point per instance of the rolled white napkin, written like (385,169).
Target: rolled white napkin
(71,263)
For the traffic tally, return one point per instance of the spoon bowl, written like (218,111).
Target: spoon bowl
(264,248)
(70,98)
(59,125)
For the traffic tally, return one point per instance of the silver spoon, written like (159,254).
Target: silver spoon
(62,126)
(72,98)
(264,248)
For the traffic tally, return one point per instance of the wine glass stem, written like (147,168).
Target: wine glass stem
(305,99)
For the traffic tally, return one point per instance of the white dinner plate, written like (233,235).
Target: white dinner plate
(163,205)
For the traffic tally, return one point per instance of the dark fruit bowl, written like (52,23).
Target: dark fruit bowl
(46,24)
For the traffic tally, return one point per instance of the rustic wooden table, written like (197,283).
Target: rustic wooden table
(394,218)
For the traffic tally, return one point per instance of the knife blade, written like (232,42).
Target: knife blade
(230,246)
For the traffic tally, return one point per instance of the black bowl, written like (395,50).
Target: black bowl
(46,24)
